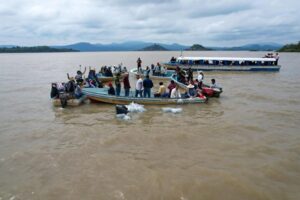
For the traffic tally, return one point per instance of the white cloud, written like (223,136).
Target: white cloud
(224,22)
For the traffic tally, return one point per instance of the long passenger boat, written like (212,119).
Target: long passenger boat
(165,76)
(101,95)
(224,64)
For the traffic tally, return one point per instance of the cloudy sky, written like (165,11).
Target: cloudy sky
(220,23)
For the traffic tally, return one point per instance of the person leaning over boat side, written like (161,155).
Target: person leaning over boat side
(139,86)
(147,84)
(54,91)
(111,90)
(175,93)
(139,64)
(126,84)
(118,84)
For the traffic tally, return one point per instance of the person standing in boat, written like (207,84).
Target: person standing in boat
(78,77)
(277,58)
(139,64)
(190,74)
(147,84)
(126,84)
(118,83)
(139,86)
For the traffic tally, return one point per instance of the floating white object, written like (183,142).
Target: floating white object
(172,110)
(123,116)
(134,107)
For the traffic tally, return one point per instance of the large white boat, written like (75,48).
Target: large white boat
(224,64)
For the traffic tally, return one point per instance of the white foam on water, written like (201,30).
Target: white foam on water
(134,107)
(123,116)
(172,110)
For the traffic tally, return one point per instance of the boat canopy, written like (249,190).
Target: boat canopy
(226,59)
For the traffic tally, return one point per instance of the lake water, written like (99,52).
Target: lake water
(244,145)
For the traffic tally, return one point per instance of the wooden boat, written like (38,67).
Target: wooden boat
(206,90)
(100,95)
(224,64)
(70,102)
(166,76)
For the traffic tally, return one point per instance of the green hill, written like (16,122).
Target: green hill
(197,47)
(290,48)
(36,49)
(154,47)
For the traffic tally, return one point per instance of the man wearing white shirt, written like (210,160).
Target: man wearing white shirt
(139,86)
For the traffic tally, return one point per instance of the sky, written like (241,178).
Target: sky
(206,22)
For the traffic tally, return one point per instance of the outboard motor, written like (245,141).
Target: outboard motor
(121,109)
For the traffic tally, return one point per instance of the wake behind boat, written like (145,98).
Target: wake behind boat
(268,63)
(101,95)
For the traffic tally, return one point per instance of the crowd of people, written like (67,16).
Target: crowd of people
(143,87)
(155,70)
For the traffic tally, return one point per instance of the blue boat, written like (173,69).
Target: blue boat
(162,76)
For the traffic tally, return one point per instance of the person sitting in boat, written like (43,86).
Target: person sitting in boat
(118,83)
(175,93)
(163,71)
(191,93)
(198,85)
(173,59)
(124,70)
(161,91)
(139,86)
(92,76)
(78,77)
(171,86)
(147,84)
(70,86)
(180,75)
(111,90)
(126,84)
(153,69)
(214,84)
(147,71)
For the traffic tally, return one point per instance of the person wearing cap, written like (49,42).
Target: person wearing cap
(126,84)
(111,90)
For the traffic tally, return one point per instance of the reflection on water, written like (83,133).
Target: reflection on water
(243,145)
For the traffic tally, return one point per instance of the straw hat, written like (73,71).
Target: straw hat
(190,86)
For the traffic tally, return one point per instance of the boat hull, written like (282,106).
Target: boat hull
(166,77)
(70,102)
(173,66)
(100,95)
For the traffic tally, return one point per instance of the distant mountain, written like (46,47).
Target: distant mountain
(125,46)
(154,47)
(36,49)
(290,48)
(197,47)
(252,47)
